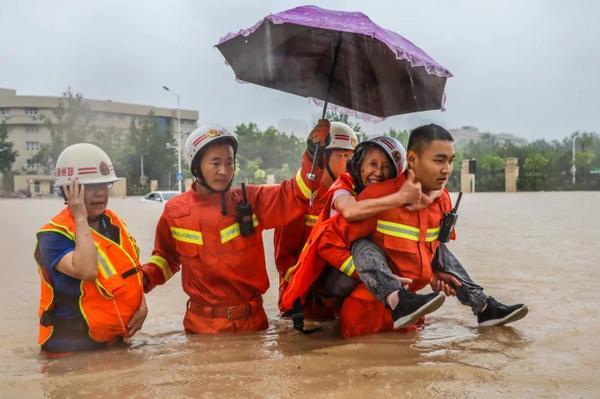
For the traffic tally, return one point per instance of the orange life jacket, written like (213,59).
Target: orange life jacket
(106,303)
(310,265)
(289,240)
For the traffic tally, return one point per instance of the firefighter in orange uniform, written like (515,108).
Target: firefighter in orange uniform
(214,233)
(361,312)
(91,282)
(290,239)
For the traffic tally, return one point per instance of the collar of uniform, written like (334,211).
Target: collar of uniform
(206,199)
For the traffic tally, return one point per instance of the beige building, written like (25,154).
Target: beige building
(468,133)
(26,129)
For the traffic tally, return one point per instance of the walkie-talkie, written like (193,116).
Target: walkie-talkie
(449,221)
(244,214)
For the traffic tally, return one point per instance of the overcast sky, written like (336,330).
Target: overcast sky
(531,68)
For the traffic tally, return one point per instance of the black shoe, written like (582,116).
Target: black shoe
(413,306)
(497,314)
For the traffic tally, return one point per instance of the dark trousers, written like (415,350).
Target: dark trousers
(372,267)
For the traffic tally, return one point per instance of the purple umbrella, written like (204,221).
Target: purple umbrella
(338,57)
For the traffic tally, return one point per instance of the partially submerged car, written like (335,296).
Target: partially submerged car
(158,197)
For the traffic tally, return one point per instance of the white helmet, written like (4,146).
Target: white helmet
(85,162)
(201,137)
(342,137)
(394,150)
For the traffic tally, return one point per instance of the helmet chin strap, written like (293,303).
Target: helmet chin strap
(330,172)
(327,168)
(211,190)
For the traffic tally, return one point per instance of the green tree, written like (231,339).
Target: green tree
(337,117)
(115,143)
(400,135)
(584,158)
(492,163)
(73,122)
(535,163)
(7,155)
(147,143)
(267,151)
(534,174)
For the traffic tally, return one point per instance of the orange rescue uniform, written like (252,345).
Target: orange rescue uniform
(309,266)
(409,240)
(288,242)
(106,303)
(223,273)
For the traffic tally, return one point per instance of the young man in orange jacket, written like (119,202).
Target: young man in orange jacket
(410,243)
(214,233)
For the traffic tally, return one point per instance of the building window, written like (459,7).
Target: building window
(31,111)
(36,187)
(32,165)
(32,145)
(4,111)
(31,129)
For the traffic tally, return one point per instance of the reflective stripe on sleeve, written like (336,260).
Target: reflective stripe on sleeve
(162,264)
(191,236)
(306,191)
(289,272)
(310,220)
(348,266)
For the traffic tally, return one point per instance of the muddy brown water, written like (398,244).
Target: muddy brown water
(539,248)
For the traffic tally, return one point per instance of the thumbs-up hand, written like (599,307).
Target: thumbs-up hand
(416,198)
(410,192)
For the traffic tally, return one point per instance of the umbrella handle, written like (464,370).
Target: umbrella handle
(311,175)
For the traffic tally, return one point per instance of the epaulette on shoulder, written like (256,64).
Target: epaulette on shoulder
(178,206)
(445,199)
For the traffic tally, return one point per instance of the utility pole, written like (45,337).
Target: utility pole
(573,168)
(179,174)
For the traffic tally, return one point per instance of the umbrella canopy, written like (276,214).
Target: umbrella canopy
(338,57)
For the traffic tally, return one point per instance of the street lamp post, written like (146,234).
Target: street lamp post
(573,168)
(179,175)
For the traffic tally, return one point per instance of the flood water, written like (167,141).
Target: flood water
(539,248)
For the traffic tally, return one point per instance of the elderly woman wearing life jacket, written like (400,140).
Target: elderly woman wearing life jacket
(91,282)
